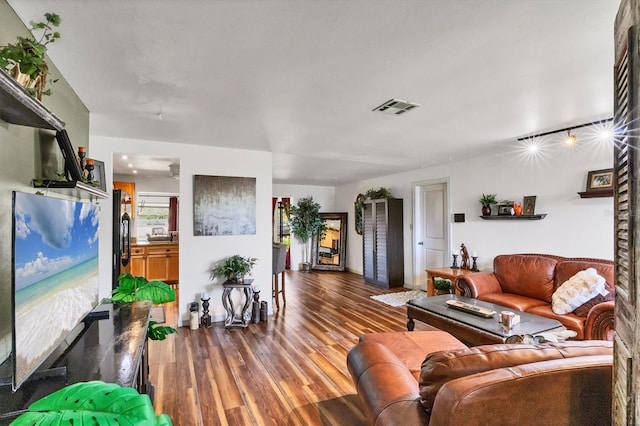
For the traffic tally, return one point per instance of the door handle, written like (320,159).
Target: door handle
(420,243)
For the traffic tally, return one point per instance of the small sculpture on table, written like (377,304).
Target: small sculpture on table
(205,320)
(464,257)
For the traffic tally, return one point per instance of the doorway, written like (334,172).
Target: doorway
(430,228)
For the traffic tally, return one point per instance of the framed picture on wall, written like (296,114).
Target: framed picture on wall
(597,180)
(99,178)
(529,205)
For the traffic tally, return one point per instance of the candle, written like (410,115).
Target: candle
(255,288)
(205,296)
(456,252)
(82,149)
(89,161)
(474,254)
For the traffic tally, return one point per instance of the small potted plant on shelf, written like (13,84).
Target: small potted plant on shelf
(25,61)
(486,201)
(233,268)
(442,285)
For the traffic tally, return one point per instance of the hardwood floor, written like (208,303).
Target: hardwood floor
(289,370)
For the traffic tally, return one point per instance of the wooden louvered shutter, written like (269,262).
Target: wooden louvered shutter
(627,218)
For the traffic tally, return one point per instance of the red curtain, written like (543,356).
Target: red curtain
(173,213)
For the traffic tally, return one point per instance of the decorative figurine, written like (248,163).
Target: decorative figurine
(255,311)
(517,208)
(205,321)
(464,259)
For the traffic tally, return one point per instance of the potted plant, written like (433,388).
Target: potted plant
(233,268)
(486,201)
(25,61)
(133,289)
(442,285)
(306,222)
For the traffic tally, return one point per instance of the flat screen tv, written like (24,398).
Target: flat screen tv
(55,275)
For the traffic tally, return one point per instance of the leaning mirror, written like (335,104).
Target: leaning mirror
(328,253)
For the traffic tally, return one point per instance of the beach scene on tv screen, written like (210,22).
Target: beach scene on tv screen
(55,274)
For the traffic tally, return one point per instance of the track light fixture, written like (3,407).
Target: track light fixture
(566,129)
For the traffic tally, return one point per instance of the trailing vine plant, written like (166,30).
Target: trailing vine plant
(371,194)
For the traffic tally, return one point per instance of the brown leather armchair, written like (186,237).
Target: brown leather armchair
(431,378)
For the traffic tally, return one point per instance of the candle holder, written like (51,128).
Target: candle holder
(474,266)
(82,154)
(89,168)
(205,321)
(454,265)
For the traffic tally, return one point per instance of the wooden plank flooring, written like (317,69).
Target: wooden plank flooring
(290,370)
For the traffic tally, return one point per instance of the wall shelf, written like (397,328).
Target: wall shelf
(596,194)
(74,188)
(17,106)
(523,217)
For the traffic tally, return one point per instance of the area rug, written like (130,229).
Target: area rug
(399,299)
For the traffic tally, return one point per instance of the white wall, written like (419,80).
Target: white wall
(151,184)
(198,253)
(323,195)
(573,227)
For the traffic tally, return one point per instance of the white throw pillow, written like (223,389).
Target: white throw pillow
(582,287)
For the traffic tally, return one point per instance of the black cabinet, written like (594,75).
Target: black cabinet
(110,345)
(382,242)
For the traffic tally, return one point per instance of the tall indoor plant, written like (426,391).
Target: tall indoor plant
(25,60)
(306,222)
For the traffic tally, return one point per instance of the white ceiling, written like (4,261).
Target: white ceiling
(300,78)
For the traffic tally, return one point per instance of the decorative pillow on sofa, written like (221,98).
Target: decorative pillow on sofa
(583,310)
(582,287)
(440,367)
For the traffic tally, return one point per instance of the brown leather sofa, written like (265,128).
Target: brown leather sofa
(431,378)
(526,282)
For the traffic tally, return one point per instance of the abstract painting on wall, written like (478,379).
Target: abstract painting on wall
(224,205)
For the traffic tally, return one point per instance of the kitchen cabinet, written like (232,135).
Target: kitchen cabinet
(156,261)
(129,188)
(138,262)
(382,242)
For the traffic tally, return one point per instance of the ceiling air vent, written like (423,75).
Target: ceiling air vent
(395,106)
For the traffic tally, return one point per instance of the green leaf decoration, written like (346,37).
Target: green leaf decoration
(93,403)
(133,289)
(159,332)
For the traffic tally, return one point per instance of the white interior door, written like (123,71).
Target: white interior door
(430,230)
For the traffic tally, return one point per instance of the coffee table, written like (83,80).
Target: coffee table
(472,329)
